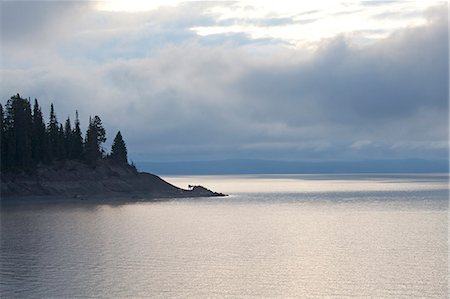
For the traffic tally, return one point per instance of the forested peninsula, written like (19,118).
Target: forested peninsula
(54,161)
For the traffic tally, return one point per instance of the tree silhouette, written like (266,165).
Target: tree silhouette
(119,151)
(53,134)
(60,143)
(39,137)
(26,141)
(2,140)
(18,126)
(76,144)
(67,137)
(95,136)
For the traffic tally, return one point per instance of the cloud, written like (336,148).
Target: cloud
(36,23)
(175,95)
(390,80)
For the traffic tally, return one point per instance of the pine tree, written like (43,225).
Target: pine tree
(61,148)
(101,137)
(76,149)
(18,126)
(39,138)
(9,137)
(90,144)
(119,151)
(53,134)
(26,141)
(95,136)
(2,141)
(67,137)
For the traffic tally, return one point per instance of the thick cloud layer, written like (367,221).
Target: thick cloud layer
(178,96)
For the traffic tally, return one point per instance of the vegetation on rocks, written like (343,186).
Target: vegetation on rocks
(53,159)
(27,141)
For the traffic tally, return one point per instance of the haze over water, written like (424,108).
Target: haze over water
(274,236)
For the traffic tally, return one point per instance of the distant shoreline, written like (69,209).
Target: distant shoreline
(255,166)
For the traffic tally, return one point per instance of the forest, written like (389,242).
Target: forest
(28,141)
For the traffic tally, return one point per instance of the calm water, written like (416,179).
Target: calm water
(275,236)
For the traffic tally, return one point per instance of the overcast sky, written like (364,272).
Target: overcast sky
(252,79)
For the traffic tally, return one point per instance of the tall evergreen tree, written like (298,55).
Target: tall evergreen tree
(90,146)
(2,140)
(25,140)
(67,137)
(76,145)
(18,126)
(39,138)
(119,151)
(53,134)
(61,148)
(95,136)
(9,136)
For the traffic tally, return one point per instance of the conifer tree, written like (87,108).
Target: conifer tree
(9,137)
(61,149)
(95,136)
(76,144)
(39,138)
(53,134)
(119,151)
(26,141)
(90,145)
(2,140)
(18,126)
(67,137)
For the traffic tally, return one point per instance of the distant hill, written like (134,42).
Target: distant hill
(296,167)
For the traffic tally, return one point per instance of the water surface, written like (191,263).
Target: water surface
(275,236)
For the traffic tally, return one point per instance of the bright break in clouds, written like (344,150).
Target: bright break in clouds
(247,79)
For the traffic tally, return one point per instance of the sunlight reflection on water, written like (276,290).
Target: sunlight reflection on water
(314,183)
(356,242)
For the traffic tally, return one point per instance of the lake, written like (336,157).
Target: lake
(274,236)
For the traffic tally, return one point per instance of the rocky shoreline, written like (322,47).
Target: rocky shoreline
(106,181)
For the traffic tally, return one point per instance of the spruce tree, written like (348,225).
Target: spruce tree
(2,140)
(119,151)
(9,136)
(95,136)
(53,134)
(18,126)
(67,137)
(61,148)
(90,145)
(39,138)
(76,144)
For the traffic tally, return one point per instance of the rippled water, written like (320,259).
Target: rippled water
(275,236)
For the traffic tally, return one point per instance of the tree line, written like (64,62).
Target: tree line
(27,141)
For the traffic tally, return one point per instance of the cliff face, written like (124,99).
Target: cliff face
(76,180)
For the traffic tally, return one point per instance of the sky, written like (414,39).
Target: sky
(273,80)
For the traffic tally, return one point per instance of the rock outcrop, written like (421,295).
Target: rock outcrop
(71,179)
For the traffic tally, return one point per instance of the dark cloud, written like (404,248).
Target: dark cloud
(178,96)
(31,21)
(390,80)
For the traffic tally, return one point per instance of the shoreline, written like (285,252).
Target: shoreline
(106,182)
(98,199)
